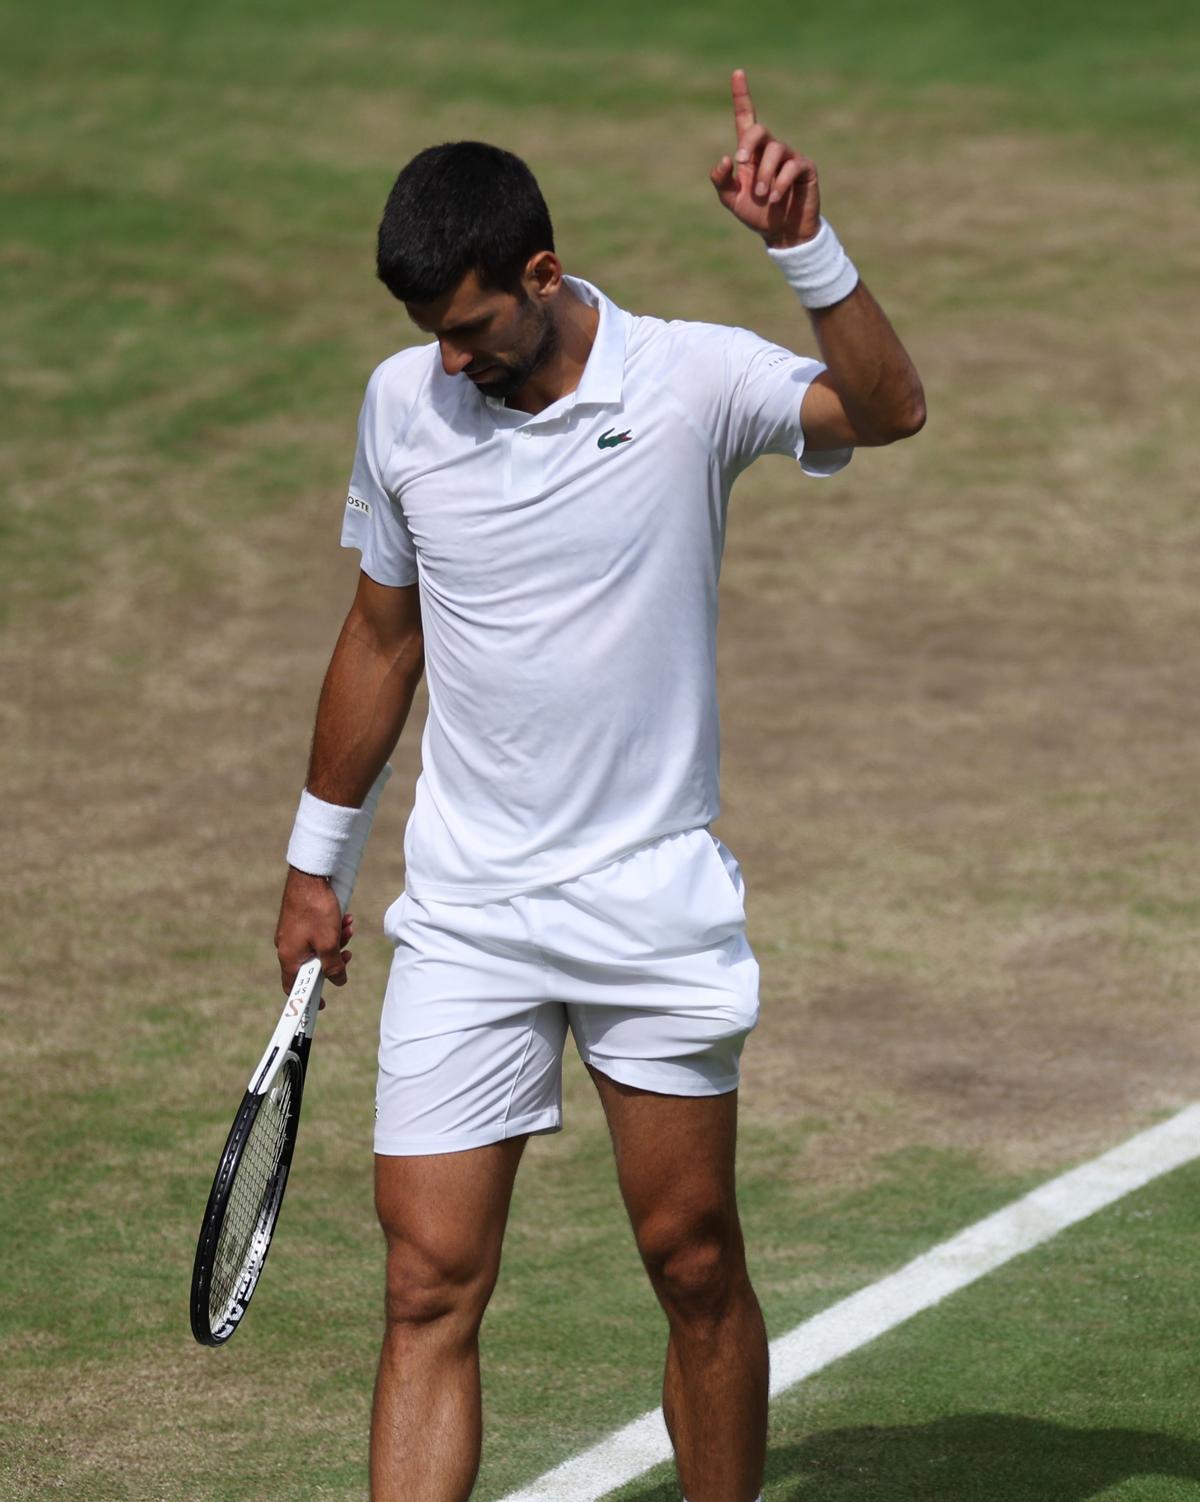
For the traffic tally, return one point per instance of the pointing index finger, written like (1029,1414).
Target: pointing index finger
(743,106)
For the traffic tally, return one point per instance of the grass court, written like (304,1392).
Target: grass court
(959,724)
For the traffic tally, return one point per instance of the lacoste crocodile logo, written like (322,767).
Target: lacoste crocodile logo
(606,442)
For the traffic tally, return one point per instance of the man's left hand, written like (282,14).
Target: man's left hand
(768,186)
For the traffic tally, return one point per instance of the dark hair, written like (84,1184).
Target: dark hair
(461,207)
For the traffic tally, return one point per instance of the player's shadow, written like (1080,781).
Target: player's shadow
(986,1457)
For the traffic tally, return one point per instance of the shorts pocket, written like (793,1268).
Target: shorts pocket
(393,919)
(728,873)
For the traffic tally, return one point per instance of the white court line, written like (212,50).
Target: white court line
(856,1320)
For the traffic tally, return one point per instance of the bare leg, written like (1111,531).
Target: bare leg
(426,1428)
(675,1163)
(715,1403)
(444,1217)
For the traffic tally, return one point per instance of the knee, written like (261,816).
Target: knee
(428,1285)
(695,1269)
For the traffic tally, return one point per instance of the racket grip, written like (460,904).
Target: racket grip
(343,879)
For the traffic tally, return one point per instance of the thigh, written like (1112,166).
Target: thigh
(675,1158)
(443,1217)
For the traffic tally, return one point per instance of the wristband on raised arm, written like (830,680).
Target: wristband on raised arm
(818,270)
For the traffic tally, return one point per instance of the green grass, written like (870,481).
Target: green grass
(808,1249)
(184,187)
(1098,67)
(1032,1386)
(1062,1377)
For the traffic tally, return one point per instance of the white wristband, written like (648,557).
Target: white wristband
(320,835)
(819,271)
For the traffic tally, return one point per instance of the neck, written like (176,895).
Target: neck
(576,323)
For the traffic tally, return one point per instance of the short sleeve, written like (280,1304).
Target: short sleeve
(766,385)
(374,522)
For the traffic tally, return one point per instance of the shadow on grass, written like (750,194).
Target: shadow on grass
(981,1457)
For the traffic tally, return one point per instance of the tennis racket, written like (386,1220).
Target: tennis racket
(243,1205)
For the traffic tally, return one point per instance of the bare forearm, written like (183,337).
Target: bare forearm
(365,700)
(869,368)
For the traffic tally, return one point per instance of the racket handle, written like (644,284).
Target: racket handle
(343,879)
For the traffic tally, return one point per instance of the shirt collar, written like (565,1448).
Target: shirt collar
(604,371)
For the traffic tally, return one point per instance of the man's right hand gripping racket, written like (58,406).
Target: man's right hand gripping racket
(247,1191)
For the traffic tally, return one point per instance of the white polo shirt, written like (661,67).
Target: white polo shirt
(568,567)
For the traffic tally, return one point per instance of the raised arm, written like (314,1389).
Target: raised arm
(870,392)
(365,699)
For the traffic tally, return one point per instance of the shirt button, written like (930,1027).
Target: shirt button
(525,433)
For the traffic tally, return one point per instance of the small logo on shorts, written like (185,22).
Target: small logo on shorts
(356,503)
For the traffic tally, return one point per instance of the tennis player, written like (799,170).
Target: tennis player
(539,497)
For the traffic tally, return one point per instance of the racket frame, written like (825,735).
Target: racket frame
(218,1199)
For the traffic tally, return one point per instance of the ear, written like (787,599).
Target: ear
(543,275)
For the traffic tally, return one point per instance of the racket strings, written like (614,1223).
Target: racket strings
(246,1227)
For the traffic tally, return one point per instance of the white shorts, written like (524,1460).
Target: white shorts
(645,960)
